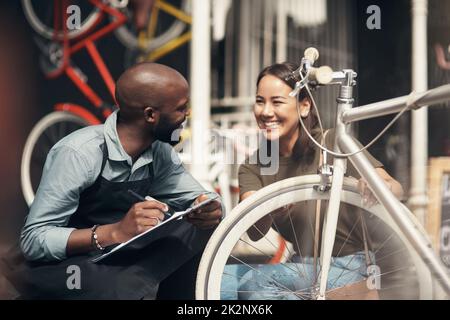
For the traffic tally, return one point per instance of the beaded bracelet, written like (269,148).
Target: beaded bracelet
(94,239)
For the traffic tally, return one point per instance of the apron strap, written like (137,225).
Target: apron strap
(105,153)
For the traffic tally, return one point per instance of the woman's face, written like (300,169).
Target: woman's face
(275,111)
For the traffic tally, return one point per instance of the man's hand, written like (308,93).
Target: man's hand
(141,217)
(206,217)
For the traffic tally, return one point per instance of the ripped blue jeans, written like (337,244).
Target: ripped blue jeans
(288,281)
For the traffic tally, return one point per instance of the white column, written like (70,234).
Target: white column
(419,125)
(245,58)
(200,82)
(281,31)
(269,6)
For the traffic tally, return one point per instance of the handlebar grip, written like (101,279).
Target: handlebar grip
(311,54)
(322,75)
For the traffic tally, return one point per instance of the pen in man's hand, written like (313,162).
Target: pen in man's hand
(148,198)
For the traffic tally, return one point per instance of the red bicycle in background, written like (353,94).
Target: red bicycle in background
(49,21)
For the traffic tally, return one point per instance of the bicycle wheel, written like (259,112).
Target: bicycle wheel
(403,274)
(44,135)
(166,30)
(41,18)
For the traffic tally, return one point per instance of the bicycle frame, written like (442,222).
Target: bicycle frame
(88,43)
(346,143)
(172,44)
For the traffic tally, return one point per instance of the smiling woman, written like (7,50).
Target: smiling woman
(276,111)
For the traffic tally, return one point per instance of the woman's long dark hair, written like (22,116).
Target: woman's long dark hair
(304,147)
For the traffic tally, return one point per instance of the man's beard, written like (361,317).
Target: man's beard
(168,132)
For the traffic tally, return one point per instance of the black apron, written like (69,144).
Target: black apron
(124,275)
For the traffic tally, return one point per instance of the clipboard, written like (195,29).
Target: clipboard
(159,231)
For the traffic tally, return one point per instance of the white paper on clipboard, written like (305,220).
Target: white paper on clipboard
(159,231)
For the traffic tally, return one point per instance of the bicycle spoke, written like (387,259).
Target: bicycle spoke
(348,236)
(238,278)
(278,230)
(265,276)
(296,241)
(384,243)
(297,292)
(265,238)
(383,273)
(390,254)
(254,281)
(267,255)
(342,246)
(377,276)
(392,271)
(344,271)
(291,254)
(250,280)
(316,244)
(375,252)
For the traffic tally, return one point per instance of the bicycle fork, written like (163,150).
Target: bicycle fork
(345,102)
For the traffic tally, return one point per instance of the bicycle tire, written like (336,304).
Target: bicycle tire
(44,135)
(228,233)
(129,39)
(48,32)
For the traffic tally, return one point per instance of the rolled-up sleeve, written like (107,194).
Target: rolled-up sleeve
(44,236)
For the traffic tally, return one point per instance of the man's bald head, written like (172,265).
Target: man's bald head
(149,85)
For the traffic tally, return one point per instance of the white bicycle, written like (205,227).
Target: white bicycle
(408,267)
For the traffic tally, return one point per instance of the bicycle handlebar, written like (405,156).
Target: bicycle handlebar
(311,55)
(322,75)
(315,76)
